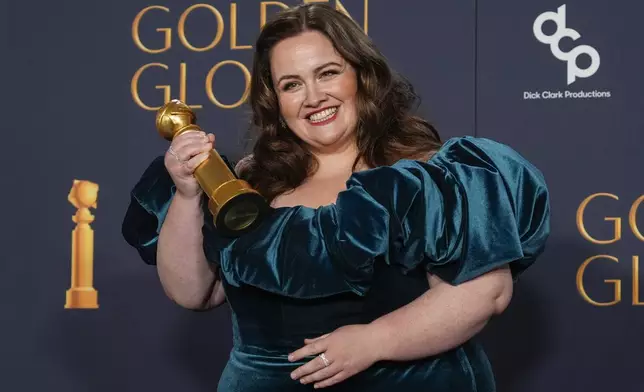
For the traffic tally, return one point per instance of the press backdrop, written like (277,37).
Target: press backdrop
(82,81)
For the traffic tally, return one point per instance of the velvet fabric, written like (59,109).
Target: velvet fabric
(474,206)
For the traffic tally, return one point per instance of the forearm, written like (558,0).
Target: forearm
(185,274)
(442,318)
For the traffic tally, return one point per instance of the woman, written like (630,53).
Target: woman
(385,251)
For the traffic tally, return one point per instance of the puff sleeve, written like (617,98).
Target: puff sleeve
(149,202)
(474,206)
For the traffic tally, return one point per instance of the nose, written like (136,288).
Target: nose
(314,96)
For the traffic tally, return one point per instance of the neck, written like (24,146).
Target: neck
(337,162)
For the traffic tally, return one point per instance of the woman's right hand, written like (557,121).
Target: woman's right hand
(185,153)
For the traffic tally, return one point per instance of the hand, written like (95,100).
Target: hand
(186,152)
(348,350)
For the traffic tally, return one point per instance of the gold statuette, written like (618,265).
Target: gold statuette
(235,206)
(81,294)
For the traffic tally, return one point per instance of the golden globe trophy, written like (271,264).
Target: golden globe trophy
(235,206)
(82,294)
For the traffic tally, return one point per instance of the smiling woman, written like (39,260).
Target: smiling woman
(386,251)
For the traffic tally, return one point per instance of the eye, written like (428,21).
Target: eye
(329,73)
(289,85)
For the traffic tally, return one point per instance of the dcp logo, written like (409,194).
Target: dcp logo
(553,40)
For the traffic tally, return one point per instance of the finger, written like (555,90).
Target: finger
(310,367)
(341,376)
(308,341)
(321,374)
(188,137)
(308,350)
(195,161)
(192,149)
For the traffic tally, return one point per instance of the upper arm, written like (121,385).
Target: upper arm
(496,286)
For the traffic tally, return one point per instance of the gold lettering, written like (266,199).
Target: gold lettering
(211,75)
(636,281)
(166,31)
(134,87)
(182,86)
(233,29)
(582,229)
(182,29)
(580,282)
(262,10)
(632,218)
(366,17)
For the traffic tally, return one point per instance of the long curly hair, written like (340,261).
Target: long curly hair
(386,130)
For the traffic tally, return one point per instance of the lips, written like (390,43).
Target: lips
(322,115)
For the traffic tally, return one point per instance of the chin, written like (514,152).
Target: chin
(326,143)
(326,136)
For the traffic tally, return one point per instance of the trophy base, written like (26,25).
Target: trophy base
(237,208)
(82,298)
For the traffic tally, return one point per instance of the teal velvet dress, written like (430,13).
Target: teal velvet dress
(474,206)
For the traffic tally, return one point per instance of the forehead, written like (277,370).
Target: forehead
(302,54)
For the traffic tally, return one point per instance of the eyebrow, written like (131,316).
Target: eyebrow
(317,69)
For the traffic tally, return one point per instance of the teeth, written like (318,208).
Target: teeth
(323,115)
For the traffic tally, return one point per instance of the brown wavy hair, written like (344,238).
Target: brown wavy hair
(386,131)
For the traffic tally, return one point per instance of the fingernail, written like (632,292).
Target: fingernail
(293,376)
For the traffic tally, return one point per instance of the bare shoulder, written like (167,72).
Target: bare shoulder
(286,199)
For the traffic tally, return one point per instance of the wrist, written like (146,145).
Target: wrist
(185,198)
(383,338)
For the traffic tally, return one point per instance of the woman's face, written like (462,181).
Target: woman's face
(316,89)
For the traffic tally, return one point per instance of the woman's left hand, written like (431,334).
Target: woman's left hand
(348,350)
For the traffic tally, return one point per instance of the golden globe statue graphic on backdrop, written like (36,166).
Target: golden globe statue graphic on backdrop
(81,294)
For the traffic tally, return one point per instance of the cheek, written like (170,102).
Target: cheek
(348,93)
(351,83)
(346,90)
(289,106)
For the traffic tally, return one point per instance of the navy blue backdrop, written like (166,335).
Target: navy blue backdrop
(559,82)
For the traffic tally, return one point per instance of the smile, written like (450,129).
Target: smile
(324,116)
